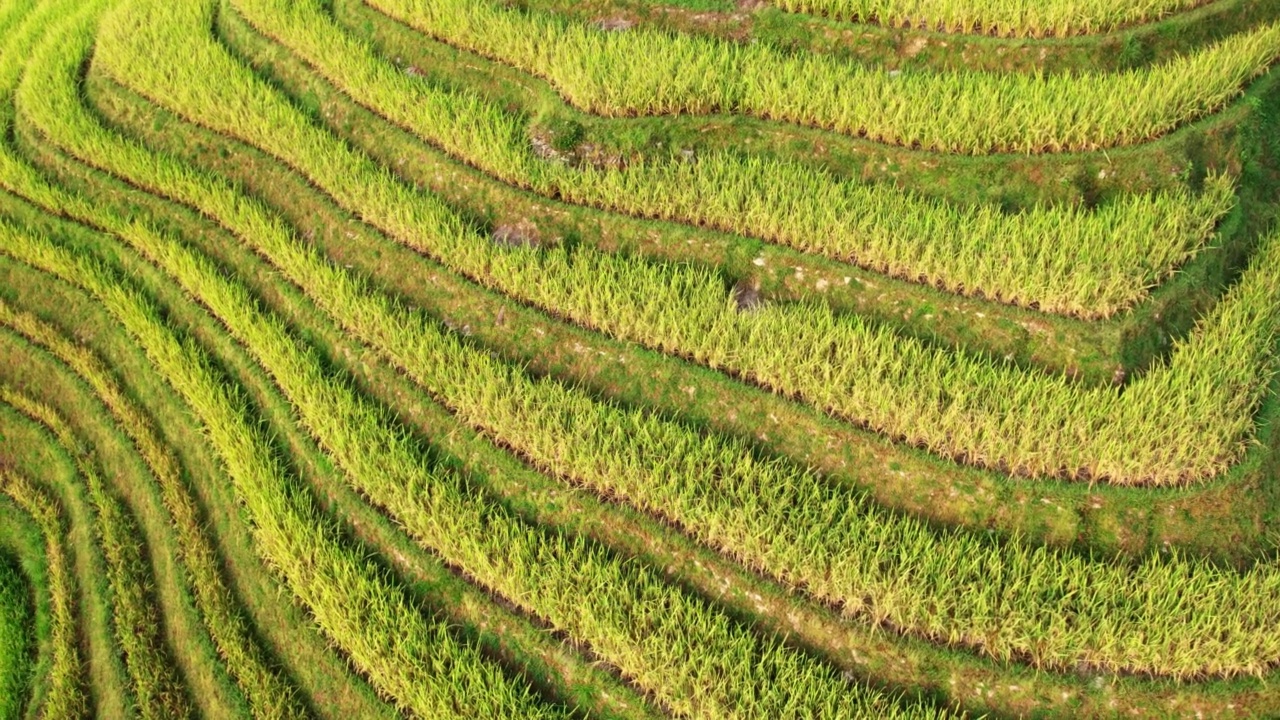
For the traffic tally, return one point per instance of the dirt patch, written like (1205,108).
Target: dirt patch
(915,46)
(747,297)
(614,24)
(519,234)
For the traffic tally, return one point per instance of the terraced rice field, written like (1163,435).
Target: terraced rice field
(639,359)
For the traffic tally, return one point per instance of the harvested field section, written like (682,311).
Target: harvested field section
(391,359)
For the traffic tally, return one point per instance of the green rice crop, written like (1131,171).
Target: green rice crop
(753,511)
(406,655)
(1018,18)
(268,694)
(644,72)
(1185,420)
(627,613)
(1059,259)
(662,467)
(156,688)
(935,590)
(17,640)
(65,697)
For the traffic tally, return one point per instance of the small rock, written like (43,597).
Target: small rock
(614,24)
(521,234)
(747,297)
(915,46)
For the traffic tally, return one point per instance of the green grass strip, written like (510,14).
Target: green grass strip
(830,551)
(645,72)
(17,640)
(778,518)
(158,691)
(1008,18)
(269,695)
(65,696)
(481,405)
(1185,420)
(1059,259)
(626,612)
(405,654)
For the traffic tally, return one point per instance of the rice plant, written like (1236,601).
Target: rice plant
(1021,18)
(349,430)
(268,693)
(65,695)
(546,414)
(981,409)
(155,687)
(412,658)
(645,72)
(1059,259)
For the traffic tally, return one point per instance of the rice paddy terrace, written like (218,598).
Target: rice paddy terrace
(639,358)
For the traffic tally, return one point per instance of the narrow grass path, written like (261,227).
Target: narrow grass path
(1040,511)
(17,639)
(157,690)
(21,541)
(111,421)
(72,689)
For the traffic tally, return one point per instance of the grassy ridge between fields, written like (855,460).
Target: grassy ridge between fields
(1183,421)
(65,696)
(362,315)
(157,691)
(1020,18)
(17,639)
(1090,263)
(1166,616)
(646,72)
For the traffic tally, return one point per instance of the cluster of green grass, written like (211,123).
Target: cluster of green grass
(405,653)
(958,591)
(647,72)
(65,696)
(1185,420)
(267,694)
(17,639)
(998,17)
(156,689)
